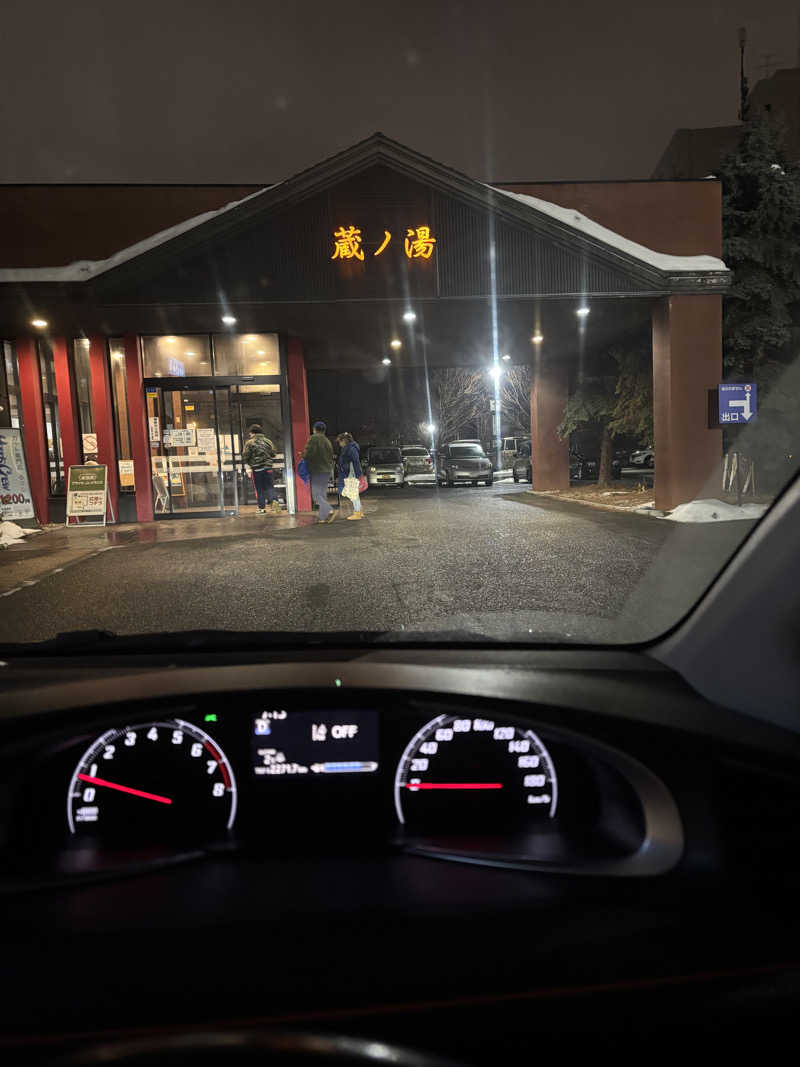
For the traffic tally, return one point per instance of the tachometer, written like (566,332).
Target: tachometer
(152,781)
(474,775)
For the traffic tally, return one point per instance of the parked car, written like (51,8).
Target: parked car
(644,457)
(416,460)
(521,467)
(384,465)
(464,461)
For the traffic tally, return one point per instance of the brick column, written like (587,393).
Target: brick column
(140,440)
(67,406)
(687,362)
(103,413)
(298,406)
(549,454)
(30,395)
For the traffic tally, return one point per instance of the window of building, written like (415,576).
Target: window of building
(176,357)
(246,354)
(121,419)
(11,413)
(83,394)
(51,424)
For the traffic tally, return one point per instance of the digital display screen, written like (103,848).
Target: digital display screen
(297,744)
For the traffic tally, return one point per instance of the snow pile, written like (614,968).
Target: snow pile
(714,511)
(11,534)
(576,221)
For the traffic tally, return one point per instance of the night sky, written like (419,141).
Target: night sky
(250,91)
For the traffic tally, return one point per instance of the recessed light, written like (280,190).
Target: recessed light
(395,343)
(386,361)
(410,316)
(506,358)
(190,353)
(39,323)
(582,311)
(170,340)
(261,352)
(229,319)
(537,338)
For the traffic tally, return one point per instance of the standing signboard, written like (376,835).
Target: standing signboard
(87,495)
(16,501)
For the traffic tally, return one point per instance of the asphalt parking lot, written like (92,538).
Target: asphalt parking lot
(494,561)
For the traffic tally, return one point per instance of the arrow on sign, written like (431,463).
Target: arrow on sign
(744,405)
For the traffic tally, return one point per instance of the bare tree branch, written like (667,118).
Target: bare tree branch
(515,398)
(458,397)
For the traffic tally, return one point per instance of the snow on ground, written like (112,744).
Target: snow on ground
(712,511)
(576,221)
(11,534)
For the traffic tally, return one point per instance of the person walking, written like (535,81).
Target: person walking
(349,470)
(258,454)
(318,455)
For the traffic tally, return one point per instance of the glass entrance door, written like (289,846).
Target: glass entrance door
(191,456)
(257,405)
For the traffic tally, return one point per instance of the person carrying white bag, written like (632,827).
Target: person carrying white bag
(350,477)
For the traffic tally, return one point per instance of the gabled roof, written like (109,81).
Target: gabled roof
(654,271)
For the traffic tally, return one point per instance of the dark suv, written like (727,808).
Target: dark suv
(464,461)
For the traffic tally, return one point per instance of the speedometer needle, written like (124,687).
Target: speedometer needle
(124,788)
(453,785)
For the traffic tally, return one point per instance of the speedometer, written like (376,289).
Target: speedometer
(474,775)
(152,782)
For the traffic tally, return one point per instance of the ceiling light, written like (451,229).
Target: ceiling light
(39,323)
(537,338)
(582,311)
(250,338)
(261,352)
(410,316)
(190,353)
(395,343)
(386,361)
(506,358)
(170,340)
(229,319)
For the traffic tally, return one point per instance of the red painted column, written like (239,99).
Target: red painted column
(298,408)
(687,362)
(103,412)
(67,406)
(549,454)
(137,419)
(30,394)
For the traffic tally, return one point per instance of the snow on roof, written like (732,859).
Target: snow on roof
(576,221)
(84,269)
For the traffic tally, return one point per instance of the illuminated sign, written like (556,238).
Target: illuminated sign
(348,243)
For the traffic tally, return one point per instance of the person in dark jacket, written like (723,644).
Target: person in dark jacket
(318,455)
(258,454)
(349,466)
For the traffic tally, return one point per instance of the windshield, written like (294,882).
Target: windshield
(208,327)
(463,451)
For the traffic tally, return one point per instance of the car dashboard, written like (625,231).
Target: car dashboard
(347,843)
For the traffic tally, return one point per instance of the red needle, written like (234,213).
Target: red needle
(453,785)
(124,788)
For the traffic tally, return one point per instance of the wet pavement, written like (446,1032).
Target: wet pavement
(496,561)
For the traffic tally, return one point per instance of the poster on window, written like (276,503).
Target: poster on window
(155,429)
(207,440)
(15,489)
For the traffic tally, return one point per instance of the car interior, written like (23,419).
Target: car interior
(256,849)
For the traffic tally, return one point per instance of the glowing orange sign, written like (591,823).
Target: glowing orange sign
(419,243)
(347,243)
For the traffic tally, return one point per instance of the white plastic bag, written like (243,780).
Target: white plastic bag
(350,488)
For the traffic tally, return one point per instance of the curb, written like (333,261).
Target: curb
(650,513)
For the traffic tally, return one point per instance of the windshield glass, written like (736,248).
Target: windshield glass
(216,340)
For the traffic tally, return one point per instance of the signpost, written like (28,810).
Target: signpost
(87,495)
(738,402)
(16,501)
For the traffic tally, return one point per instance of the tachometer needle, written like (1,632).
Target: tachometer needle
(124,788)
(453,785)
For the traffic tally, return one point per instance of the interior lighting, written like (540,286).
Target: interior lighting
(229,320)
(39,323)
(170,340)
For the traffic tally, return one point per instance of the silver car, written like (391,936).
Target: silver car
(384,465)
(416,460)
(464,461)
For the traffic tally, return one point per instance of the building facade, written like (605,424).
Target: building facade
(155,357)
